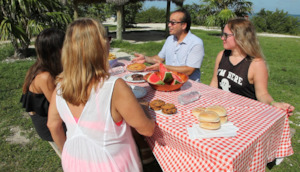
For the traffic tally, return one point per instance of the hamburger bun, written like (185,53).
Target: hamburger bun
(220,110)
(208,116)
(196,111)
(210,125)
(223,119)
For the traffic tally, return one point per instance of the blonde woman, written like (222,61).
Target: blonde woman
(241,67)
(97,109)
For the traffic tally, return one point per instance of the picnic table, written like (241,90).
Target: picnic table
(263,133)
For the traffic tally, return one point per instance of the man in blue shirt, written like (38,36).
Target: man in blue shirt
(182,52)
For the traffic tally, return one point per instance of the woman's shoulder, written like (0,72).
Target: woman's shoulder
(44,76)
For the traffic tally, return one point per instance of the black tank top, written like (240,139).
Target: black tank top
(235,78)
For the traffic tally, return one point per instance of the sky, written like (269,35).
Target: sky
(290,6)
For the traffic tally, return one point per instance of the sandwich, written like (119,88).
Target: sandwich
(196,111)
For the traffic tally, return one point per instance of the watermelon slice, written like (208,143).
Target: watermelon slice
(155,79)
(165,74)
(176,79)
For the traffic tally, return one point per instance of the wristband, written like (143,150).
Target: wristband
(272,102)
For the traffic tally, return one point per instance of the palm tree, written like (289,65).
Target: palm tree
(21,19)
(218,12)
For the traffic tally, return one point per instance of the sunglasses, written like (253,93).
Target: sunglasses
(174,22)
(226,35)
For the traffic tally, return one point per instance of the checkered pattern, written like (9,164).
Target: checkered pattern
(263,133)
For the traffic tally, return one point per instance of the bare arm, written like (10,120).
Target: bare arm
(43,83)
(126,106)
(140,58)
(259,71)
(55,124)
(183,69)
(214,80)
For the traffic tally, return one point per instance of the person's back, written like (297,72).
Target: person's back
(96,143)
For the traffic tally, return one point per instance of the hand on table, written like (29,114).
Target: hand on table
(285,106)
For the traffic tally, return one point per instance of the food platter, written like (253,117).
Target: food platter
(128,78)
(138,91)
(136,67)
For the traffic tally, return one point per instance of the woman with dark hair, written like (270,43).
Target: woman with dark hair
(241,67)
(39,82)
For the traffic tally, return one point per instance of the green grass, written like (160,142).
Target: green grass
(282,55)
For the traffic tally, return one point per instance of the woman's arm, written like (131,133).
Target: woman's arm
(55,124)
(214,80)
(126,106)
(259,71)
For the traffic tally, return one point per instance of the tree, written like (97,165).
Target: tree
(218,12)
(151,15)
(21,19)
(276,22)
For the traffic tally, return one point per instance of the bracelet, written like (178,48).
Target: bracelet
(272,102)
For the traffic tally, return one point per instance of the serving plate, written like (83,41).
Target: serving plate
(128,77)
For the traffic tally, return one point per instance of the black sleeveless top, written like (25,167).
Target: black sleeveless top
(235,78)
(37,103)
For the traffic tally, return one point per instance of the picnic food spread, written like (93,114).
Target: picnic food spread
(136,67)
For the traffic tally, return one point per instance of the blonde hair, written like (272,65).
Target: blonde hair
(245,37)
(84,60)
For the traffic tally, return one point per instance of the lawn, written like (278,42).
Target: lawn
(33,154)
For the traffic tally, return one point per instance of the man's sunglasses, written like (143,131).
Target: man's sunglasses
(173,22)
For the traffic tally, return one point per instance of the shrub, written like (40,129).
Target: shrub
(151,15)
(276,22)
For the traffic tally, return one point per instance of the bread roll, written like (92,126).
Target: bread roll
(223,119)
(208,116)
(196,111)
(210,125)
(220,110)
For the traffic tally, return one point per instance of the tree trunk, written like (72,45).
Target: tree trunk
(167,18)
(75,10)
(119,22)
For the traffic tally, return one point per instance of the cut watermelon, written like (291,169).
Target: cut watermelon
(155,79)
(166,75)
(176,79)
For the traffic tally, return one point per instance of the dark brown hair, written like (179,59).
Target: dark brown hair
(48,47)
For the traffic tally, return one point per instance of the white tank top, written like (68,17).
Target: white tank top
(96,143)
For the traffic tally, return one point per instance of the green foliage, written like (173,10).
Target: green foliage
(130,12)
(151,15)
(7,50)
(196,11)
(276,22)
(99,11)
(20,19)
(218,12)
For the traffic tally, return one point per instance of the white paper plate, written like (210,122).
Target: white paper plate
(139,92)
(128,77)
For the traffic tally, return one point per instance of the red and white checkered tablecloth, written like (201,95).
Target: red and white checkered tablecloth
(263,133)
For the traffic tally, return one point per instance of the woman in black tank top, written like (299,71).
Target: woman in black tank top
(241,67)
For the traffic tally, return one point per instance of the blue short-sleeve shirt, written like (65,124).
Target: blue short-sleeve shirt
(189,52)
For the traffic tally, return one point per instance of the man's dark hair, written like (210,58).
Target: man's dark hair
(186,18)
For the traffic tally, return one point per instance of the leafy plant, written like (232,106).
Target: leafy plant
(218,12)
(276,22)
(151,15)
(20,19)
